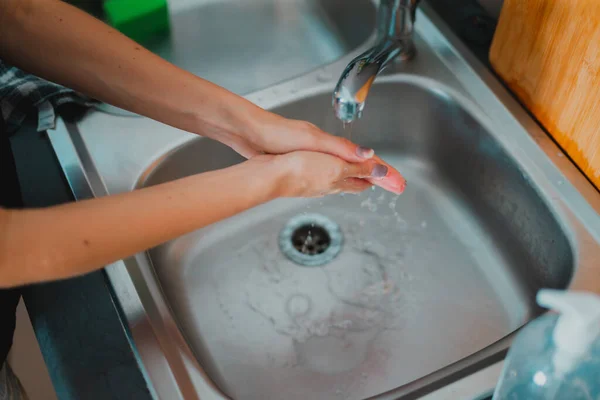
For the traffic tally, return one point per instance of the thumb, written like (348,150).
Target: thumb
(341,147)
(369,169)
(394,181)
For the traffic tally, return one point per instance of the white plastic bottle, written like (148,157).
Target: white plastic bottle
(556,356)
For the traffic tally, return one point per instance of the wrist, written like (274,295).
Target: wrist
(274,174)
(231,116)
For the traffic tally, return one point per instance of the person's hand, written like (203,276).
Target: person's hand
(269,133)
(313,174)
(272,134)
(393,181)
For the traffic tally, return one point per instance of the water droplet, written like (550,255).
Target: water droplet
(424,224)
(401,222)
(560,154)
(560,182)
(373,188)
(392,203)
(369,204)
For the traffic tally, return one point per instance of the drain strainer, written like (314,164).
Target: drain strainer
(310,240)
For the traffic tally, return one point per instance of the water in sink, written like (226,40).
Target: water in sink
(421,281)
(407,283)
(349,327)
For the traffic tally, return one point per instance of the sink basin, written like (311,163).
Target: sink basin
(249,45)
(435,275)
(357,296)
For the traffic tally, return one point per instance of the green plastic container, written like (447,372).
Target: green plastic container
(138,19)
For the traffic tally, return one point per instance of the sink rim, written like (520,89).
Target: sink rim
(576,200)
(495,351)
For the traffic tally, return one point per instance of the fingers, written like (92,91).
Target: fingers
(389,185)
(354,185)
(393,181)
(368,169)
(340,147)
(377,172)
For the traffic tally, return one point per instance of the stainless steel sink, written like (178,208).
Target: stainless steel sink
(435,275)
(391,297)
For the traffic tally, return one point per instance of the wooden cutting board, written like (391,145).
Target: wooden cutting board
(548,53)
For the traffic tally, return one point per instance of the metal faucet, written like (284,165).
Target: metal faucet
(395,20)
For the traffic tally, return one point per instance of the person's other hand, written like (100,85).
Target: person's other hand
(314,174)
(273,134)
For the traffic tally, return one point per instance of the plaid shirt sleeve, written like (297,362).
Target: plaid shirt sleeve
(21,92)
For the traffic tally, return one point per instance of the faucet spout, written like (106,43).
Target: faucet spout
(395,20)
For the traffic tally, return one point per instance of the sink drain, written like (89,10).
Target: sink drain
(310,240)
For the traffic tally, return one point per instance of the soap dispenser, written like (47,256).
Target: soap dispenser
(556,356)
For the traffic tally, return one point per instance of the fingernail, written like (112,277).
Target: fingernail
(403,187)
(379,171)
(365,152)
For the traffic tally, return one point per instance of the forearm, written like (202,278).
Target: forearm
(58,42)
(63,241)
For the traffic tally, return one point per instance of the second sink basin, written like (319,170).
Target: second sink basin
(387,289)
(249,45)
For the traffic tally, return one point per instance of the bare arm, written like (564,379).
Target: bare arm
(72,239)
(58,42)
